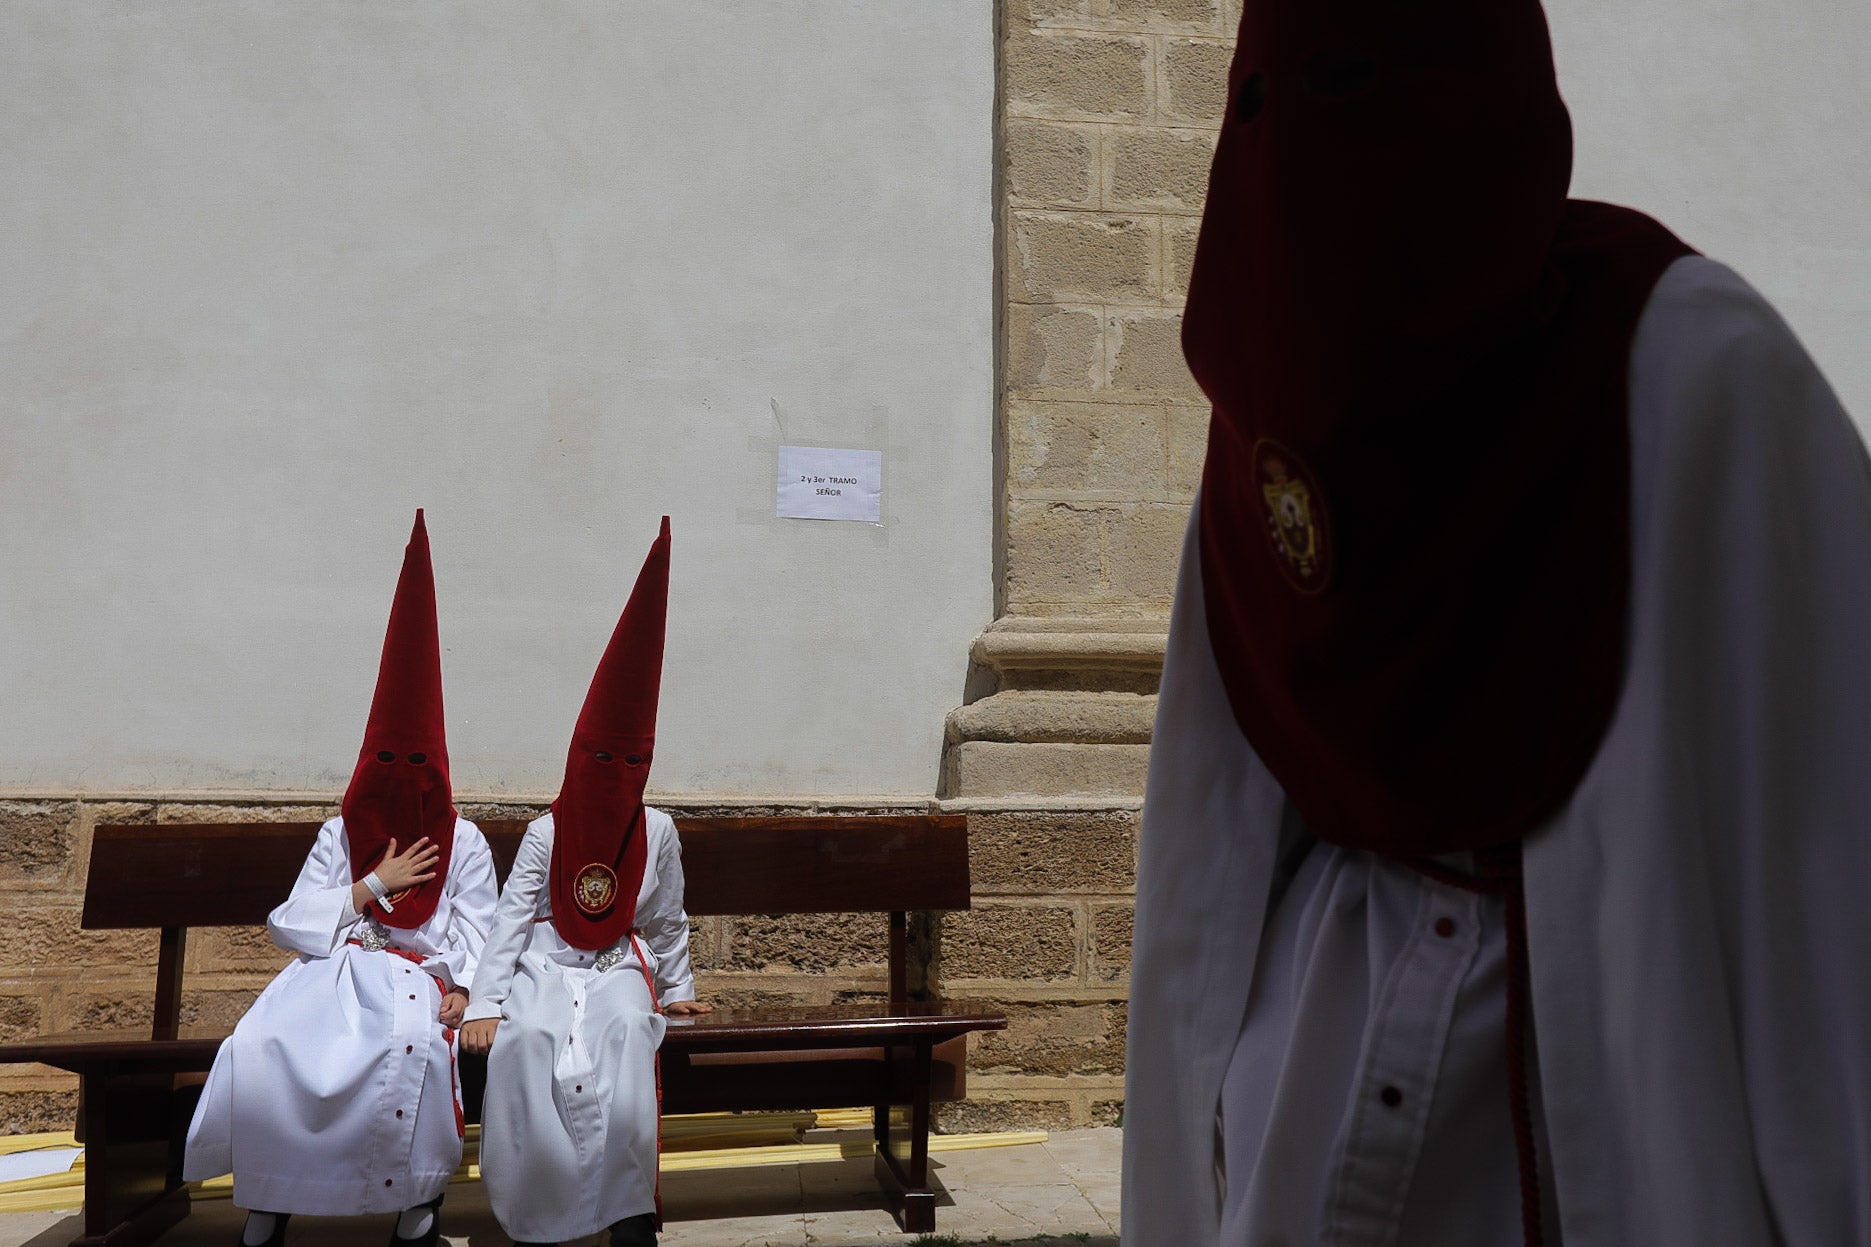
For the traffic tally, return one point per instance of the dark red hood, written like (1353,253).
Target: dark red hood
(1414,517)
(598,849)
(400,789)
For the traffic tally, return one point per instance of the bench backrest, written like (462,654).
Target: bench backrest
(179,875)
(233,874)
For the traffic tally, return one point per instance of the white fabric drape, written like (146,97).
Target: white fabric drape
(336,1093)
(1701,964)
(568,1129)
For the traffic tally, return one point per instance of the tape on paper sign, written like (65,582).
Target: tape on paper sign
(818,483)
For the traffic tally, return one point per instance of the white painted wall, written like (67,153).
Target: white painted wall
(1745,126)
(273,275)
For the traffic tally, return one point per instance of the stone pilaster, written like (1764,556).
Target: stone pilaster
(1109,116)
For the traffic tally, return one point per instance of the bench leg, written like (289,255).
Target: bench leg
(903,1145)
(132,1187)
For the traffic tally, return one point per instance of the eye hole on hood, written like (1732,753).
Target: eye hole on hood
(602,756)
(417,759)
(1339,75)
(1251,97)
(384,755)
(635,759)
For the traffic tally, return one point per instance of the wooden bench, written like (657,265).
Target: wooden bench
(895,1056)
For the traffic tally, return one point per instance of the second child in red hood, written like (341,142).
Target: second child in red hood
(589,952)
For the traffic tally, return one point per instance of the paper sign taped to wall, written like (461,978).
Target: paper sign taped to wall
(817,483)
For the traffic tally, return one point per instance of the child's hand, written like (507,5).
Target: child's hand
(478,1036)
(682,1008)
(416,865)
(453,1006)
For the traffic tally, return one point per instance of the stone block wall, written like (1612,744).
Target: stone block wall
(1111,113)
(54,976)
(1050,926)
(1048,942)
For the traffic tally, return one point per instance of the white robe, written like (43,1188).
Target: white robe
(569,1125)
(1699,947)
(336,1094)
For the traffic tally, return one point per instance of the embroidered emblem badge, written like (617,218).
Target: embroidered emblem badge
(595,889)
(1296,519)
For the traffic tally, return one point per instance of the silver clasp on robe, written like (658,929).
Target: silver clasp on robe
(375,937)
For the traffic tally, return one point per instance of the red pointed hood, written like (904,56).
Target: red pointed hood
(598,850)
(400,789)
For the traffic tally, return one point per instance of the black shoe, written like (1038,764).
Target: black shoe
(637,1231)
(278,1237)
(435,1226)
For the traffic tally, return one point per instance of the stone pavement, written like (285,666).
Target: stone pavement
(1059,1193)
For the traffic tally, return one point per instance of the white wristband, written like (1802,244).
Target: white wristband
(379,891)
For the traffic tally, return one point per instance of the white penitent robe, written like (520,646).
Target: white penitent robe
(568,1128)
(1316,1036)
(336,1094)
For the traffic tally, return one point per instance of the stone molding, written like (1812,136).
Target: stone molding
(1070,716)
(1015,649)
(1045,716)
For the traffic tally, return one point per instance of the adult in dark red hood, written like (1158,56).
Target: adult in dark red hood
(1414,519)
(1508,498)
